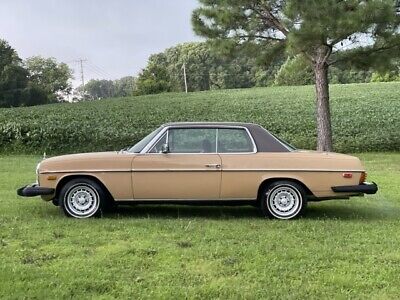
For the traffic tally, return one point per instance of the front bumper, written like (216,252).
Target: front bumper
(364,188)
(34,190)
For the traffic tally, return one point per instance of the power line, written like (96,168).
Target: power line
(96,72)
(91,67)
(102,74)
(100,70)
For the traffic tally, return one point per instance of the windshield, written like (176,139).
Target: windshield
(140,145)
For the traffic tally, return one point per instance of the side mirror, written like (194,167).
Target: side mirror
(164,148)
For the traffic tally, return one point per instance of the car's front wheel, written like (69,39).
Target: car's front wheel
(283,200)
(82,198)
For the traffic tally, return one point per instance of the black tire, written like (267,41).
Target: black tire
(82,198)
(283,200)
(110,206)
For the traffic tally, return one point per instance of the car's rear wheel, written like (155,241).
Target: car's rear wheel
(82,198)
(283,200)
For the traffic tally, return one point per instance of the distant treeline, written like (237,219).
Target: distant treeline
(39,80)
(103,88)
(207,69)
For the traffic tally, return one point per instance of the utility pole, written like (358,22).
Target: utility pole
(133,86)
(81,61)
(184,77)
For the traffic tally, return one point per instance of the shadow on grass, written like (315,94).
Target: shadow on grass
(184,211)
(337,210)
(344,211)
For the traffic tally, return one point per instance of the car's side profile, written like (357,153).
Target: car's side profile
(203,163)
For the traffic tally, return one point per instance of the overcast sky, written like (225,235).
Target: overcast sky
(116,37)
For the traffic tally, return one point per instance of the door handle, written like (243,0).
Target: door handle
(217,166)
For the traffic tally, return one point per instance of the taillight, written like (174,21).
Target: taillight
(363,177)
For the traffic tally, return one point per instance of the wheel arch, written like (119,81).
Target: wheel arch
(270,180)
(67,178)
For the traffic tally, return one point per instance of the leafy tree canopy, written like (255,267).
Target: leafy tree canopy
(102,88)
(51,76)
(37,81)
(15,88)
(205,69)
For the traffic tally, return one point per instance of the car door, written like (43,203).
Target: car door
(190,169)
(239,159)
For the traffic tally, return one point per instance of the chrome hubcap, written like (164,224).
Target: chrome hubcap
(82,201)
(285,201)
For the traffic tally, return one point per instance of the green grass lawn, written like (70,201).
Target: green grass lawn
(341,249)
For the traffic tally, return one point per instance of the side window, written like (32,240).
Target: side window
(192,140)
(234,140)
(157,147)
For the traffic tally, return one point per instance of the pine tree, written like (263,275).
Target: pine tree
(326,32)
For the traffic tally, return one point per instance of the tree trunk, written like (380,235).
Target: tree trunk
(324,129)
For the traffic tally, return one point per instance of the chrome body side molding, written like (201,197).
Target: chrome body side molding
(184,200)
(198,170)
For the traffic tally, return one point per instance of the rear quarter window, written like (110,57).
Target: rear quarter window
(234,140)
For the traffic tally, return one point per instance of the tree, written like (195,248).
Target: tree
(124,86)
(98,89)
(13,78)
(102,88)
(197,59)
(15,87)
(8,56)
(154,78)
(205,69)
(51,76)
(326,32)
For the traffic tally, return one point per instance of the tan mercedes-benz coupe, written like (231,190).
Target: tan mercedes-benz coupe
(200,163)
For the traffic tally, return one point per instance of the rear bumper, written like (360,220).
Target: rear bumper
(34,190)
(364,188)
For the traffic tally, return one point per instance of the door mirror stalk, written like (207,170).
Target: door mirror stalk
(165,149)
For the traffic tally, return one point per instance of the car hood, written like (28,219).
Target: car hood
(88,161)
(80,156)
